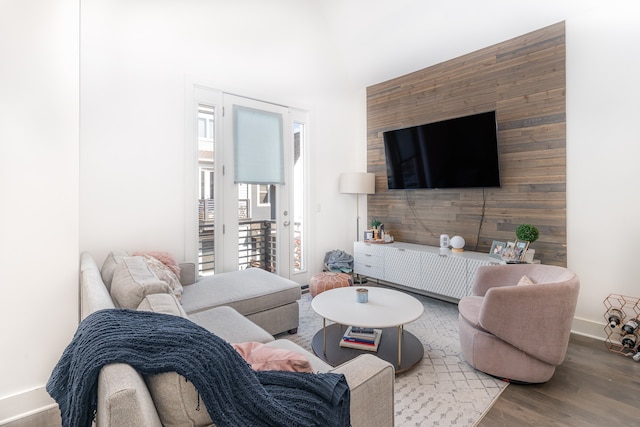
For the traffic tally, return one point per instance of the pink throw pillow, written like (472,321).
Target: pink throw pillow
(262,357)
(164,257)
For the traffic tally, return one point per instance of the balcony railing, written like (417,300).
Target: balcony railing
(256,241)
(206,210)
(256,245)
(206,248)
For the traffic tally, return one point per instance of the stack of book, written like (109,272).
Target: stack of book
(361,338)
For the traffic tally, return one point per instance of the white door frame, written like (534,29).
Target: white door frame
(196,94)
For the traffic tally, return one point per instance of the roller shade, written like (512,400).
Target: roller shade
(258,145)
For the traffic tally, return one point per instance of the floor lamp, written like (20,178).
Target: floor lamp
(358,183)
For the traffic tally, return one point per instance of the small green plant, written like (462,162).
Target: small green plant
(527,232)
(374,224)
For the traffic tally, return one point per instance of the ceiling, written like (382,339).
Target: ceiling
(382,39)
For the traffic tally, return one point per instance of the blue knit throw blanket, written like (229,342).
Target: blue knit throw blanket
(234,394)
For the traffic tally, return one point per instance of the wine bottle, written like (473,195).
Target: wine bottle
(631,326)
(629,341)
(636,356)
(614,317)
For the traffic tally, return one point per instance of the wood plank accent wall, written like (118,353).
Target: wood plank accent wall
(523,79)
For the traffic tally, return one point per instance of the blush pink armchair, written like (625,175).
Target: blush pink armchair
(518,332)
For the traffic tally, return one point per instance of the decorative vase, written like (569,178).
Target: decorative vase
(457,244)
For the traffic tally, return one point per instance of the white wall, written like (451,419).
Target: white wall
(38,192)
(603,148)
(123,182)
(135,59)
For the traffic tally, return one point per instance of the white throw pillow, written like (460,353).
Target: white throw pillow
(132,281)
(164,273)
(162,303)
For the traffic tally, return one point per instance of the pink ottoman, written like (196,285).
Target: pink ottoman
(328,280)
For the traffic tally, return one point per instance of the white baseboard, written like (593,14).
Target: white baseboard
(588,328)
(21,405)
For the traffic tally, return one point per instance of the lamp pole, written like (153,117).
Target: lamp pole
(357,217)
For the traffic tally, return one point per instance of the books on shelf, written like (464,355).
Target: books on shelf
(361,338)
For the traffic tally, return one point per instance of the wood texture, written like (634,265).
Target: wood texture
(523,80)
(593,387)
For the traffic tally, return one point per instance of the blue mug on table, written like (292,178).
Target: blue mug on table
(363,294)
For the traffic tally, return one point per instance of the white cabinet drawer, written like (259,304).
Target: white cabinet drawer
(373,260)
(369,270)
(368,260)
(368,248)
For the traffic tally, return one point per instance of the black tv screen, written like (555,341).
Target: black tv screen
(454,153)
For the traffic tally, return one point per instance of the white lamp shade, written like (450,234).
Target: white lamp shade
(358,183)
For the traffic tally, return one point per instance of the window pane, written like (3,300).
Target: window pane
(206,209)
(299,262)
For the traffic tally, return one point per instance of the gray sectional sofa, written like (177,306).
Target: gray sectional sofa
(245,306)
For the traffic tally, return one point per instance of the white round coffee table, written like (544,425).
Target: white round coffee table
(386,309)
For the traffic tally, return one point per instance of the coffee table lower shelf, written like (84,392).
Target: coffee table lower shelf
(412,349)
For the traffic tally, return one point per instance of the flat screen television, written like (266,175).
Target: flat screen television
(454,153)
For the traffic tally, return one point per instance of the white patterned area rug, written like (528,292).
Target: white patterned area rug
(442,390)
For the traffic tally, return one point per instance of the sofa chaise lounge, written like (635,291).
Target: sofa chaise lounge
(125,398)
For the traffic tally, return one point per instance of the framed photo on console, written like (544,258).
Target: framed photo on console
(509,253)
(521,249)
(496,249)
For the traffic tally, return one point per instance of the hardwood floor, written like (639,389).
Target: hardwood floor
(593,387)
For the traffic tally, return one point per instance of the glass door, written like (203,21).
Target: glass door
(245,219)
(258,226)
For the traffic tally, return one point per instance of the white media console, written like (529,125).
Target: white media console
(424,268)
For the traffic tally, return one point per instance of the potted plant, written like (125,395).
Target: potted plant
(527,232)
(374,224)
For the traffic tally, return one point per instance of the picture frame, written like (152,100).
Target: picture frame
(496,249)
(521,247)
(509,254)
(368,235)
